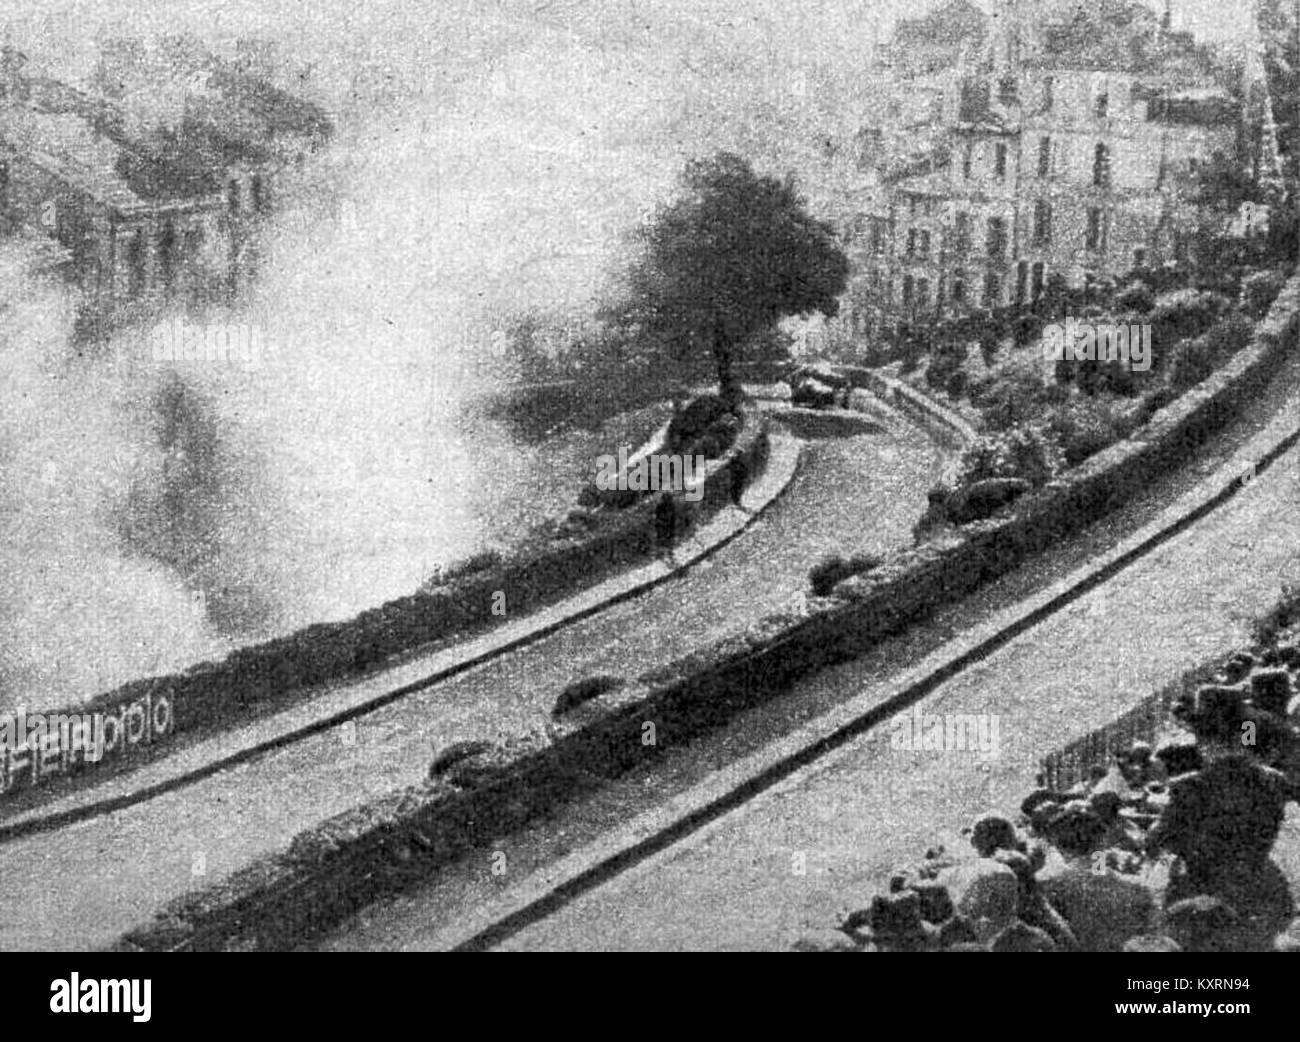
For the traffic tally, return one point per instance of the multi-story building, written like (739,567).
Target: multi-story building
(146,214)
(1062,154)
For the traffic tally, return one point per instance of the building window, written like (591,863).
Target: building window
(922,292)
(1042,222)
(911,242)
(997,237)
(965,162)
(1093,236)
(1049,91)
(992,289)
(4,183)
(135,265)
(1101,166)
(1102,103)
(1022,281)
(1139,258)
(261,194)
(167,255)
(923,245)
(961,233)
(1000,160)
(959,287)
(1044,156)
(908,286)
(1007,92)
(232,196)
(877,238)
(1036,281)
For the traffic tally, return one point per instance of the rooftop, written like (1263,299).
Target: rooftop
(67,146)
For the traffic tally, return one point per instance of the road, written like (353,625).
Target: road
(806,850)
(860,487)
(472,895)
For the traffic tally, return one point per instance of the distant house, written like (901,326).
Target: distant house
(148,212)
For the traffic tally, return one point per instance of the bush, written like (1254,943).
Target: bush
(583,691)
(947,361)
(1011,399)
(1028,452)
(1086,426)
(983,499)
(813,394)
(1181,315)
(1196,359)
(483,561)
(694,420)
(1259,290)
(1026,329)
(1136,296)
(833,569)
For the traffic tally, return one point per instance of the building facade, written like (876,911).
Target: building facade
(1056,160)
(146,216)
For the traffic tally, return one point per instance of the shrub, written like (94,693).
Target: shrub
(1196,359)
(1011,399)
(1086,426)
(583,691)
(483,561)
(1028,452)
(947,360)
(812,393)
(694,420)
(1182,315)
(1136,296)
(983,499)
(833,569)
(1026,329)
(1259,290)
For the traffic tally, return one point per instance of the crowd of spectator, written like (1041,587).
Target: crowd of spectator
(1165,848)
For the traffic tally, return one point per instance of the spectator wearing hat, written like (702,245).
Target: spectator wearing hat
(1271,691)
(1035,910)
(992,833)
(1136,765)
(1120,834)
(1178,757)
(1102,909)
(1222,822)
(897,925)
(985,893)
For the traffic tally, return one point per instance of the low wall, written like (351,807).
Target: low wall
(916,406)
(333,869)
(143,713)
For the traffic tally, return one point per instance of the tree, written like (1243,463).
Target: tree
(730,257)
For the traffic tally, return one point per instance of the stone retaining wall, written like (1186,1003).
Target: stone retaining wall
(143,713)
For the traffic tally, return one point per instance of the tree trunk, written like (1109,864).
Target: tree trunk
(728,386)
